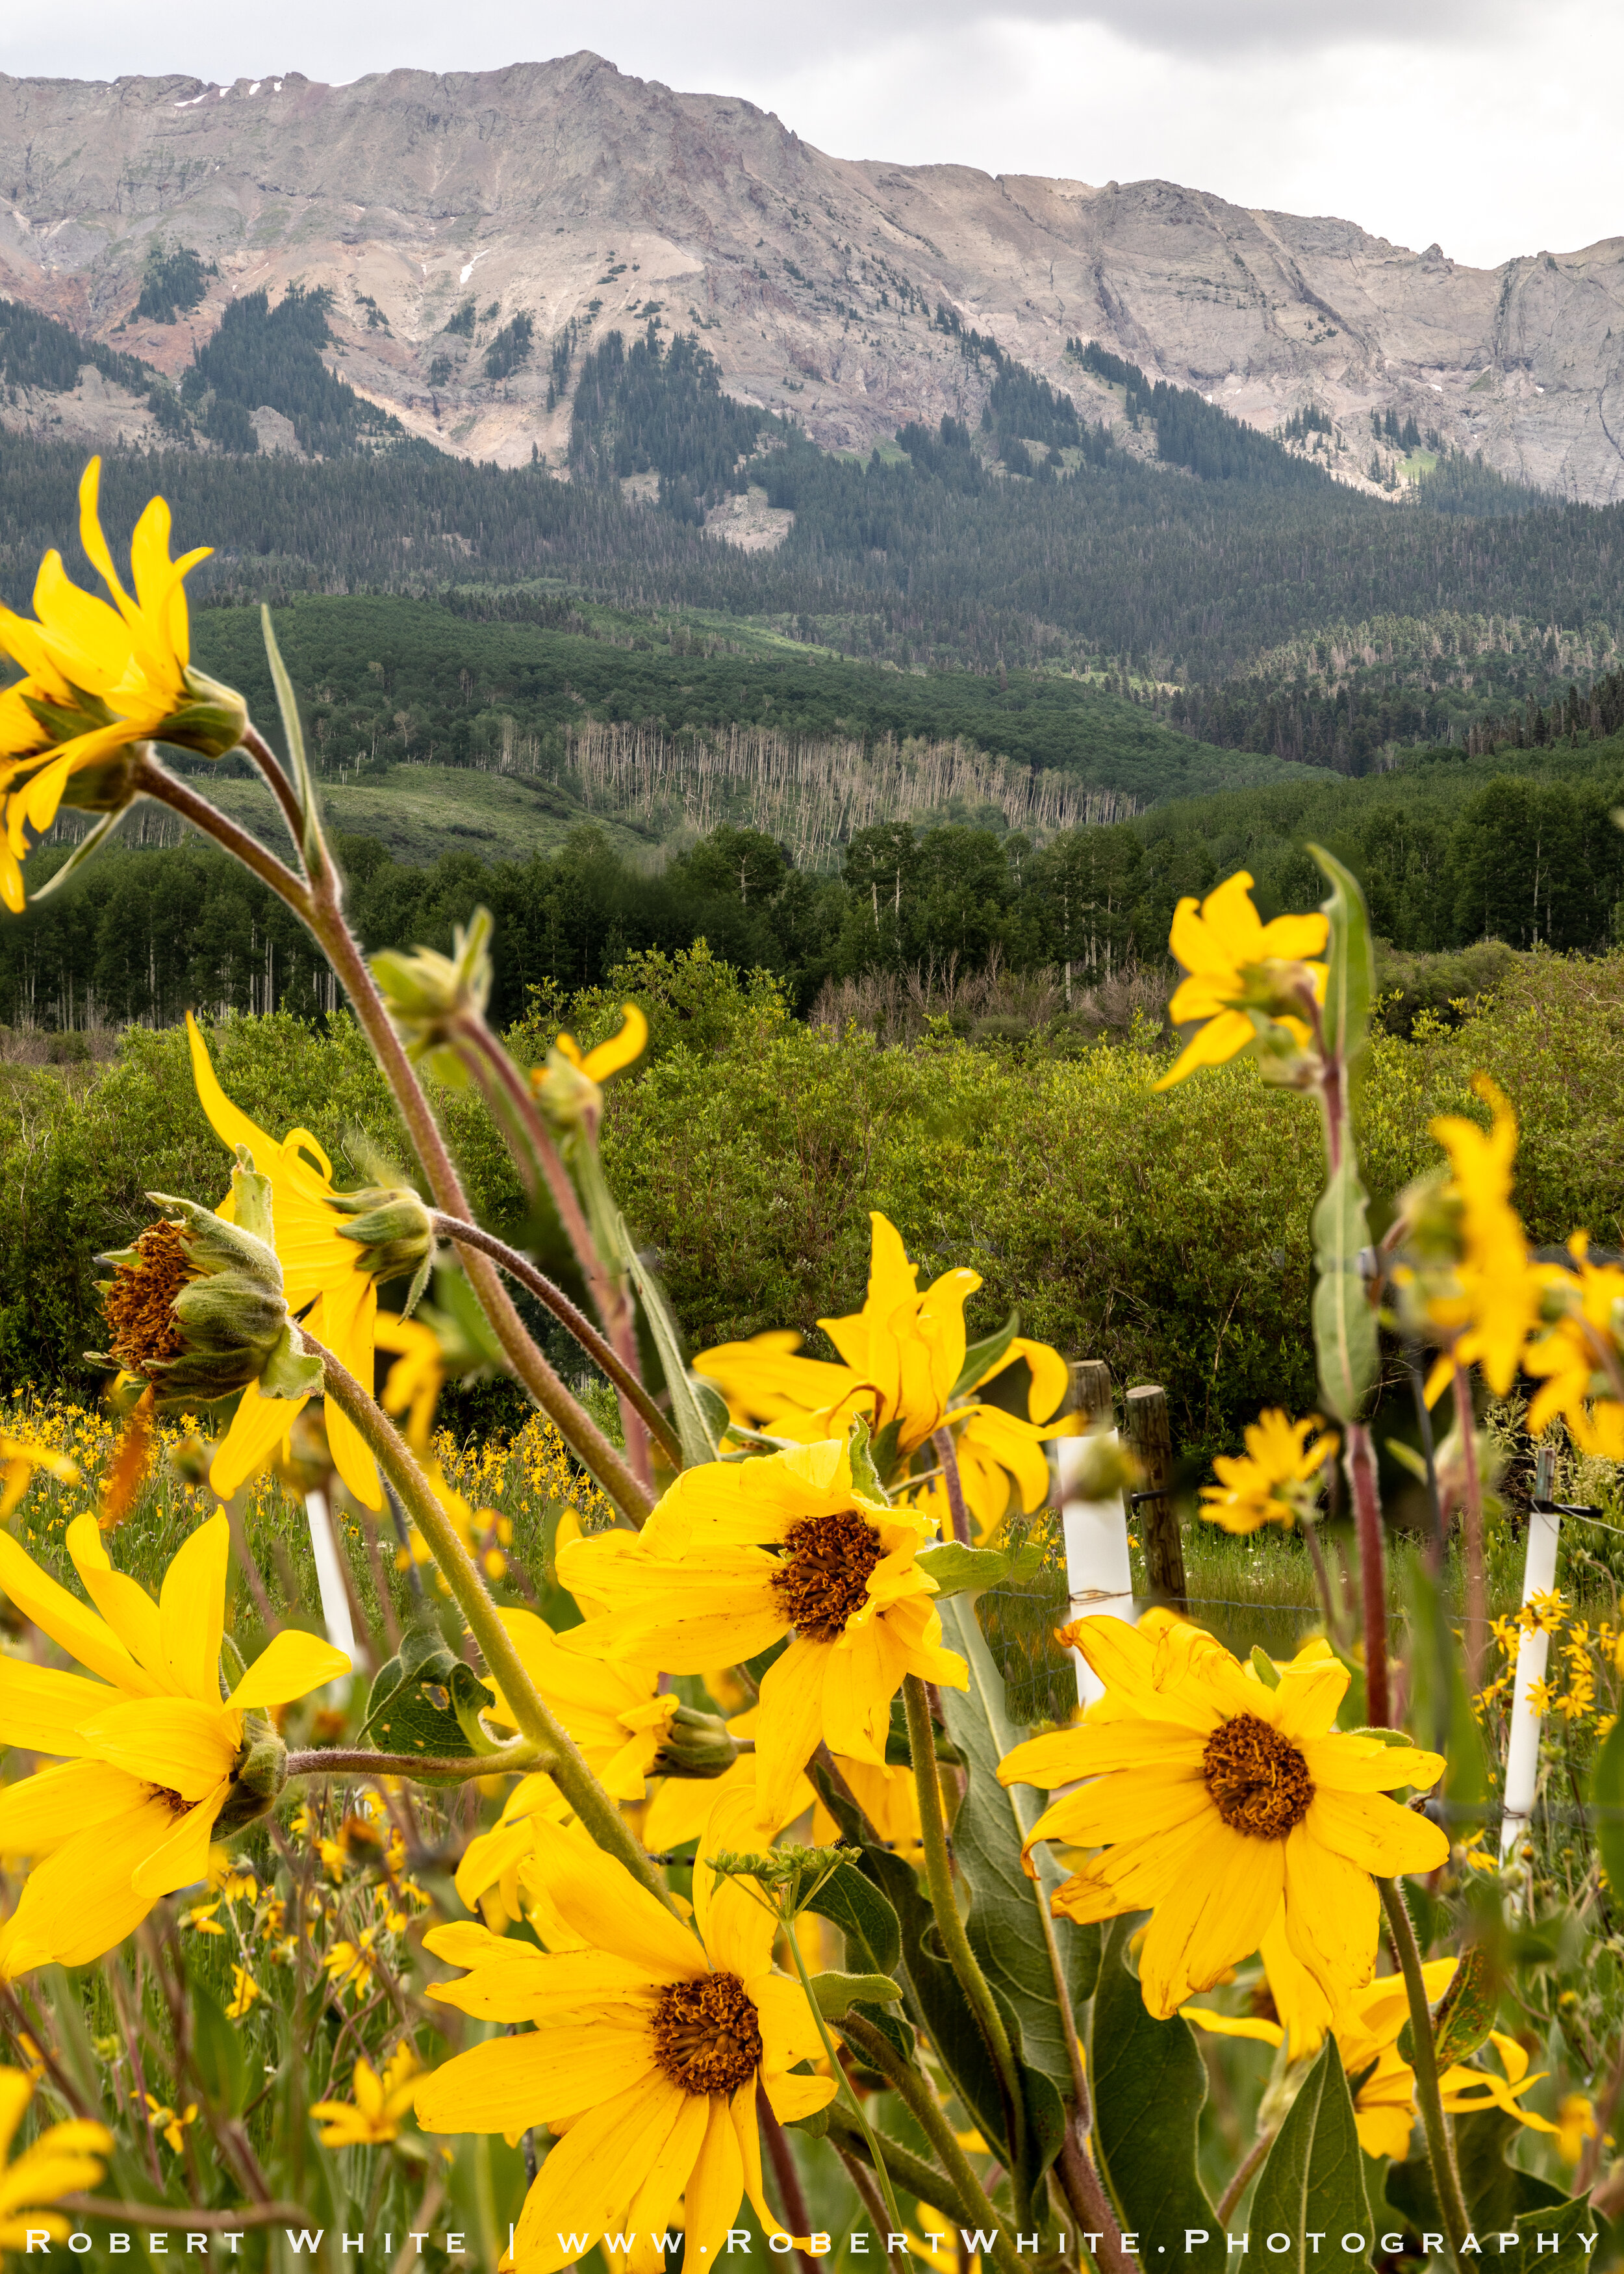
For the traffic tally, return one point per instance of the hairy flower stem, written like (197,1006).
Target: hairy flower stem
(912,2172)
(1440,2146)
(153,781)
(947,1453)
(1471,1527)
(568,1770)
(530,1141)
(554,1299)
(281,788)
(318,908)
(878,2052)
(843,2079)
(577,1428)
(1236,2187)
(949,1925)
(459,1768)
(1373,1571)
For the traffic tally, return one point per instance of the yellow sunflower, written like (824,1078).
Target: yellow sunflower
(1215,1801)
(646,2045)
(1275,1481)
(153,1756)
(1247,980)
(739,1554)
(1577,1360)
(61,2162)
(904,1367)
(330,1274)
(99,679)
(568,1087)
(1485,1292)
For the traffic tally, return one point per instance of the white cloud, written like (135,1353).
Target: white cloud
(1485,124)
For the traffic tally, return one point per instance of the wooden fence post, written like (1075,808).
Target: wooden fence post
(1150,1435)
(1091,1392)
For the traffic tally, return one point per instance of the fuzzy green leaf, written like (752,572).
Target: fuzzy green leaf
(1313,2180)
(1149,2082)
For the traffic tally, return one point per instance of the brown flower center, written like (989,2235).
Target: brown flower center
(706,2034)
(1259,1781)
(171,1799)
(139,1304)
(824,1579)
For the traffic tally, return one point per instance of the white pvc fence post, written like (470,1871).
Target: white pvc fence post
(1533,1650)
(329,1577)
(1099,1574)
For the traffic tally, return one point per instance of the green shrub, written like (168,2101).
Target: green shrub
(1166,1233)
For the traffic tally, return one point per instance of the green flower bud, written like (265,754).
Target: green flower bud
(212,721)
(257,1780)
(429,997)
(696,1745)
(197,1306)
(392,1227)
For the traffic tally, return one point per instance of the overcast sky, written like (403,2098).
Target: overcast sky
(1489,126)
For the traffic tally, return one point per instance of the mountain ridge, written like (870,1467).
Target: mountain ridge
(588,200)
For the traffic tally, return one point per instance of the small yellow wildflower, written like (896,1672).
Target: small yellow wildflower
(1275,1481)
(201,1918)
(244,1990)
(169,2122)
(1579,1358)
(1247,980)
(1575,2123)
(373,2118)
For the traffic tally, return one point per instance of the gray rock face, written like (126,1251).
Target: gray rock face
(572,193)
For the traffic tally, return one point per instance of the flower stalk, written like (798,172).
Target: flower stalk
(949,1925)
(1440,2146)
(1372,1572)
(568,1769)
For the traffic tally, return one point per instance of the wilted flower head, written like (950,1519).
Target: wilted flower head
(197,1307)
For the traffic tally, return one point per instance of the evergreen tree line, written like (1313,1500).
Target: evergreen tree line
(36,351)
(915,560)
(651,409)
(271,356)
(1193,433)
(1450,851)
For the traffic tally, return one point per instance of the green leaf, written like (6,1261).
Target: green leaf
(1572,2223)
(1464,2015)
(866,1477)
(835,1994)
(982,1359)
(1607,1793)
(1350,960)
(960,1571)
(427,1700)
(1344,1321)
(854,1904)
(688,1416)
(313,845)
(1313,2178)
(1009,1925)
(1441,1711)
(1497,2192)
(217,2047)
(92,842)
(1263,1667)
(1149,2082)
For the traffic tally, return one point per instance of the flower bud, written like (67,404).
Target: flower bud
(1102,1467)
(212,720)
(429,996)
(195,1304)
(695,1745)
(257,1780)
(392,1227)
